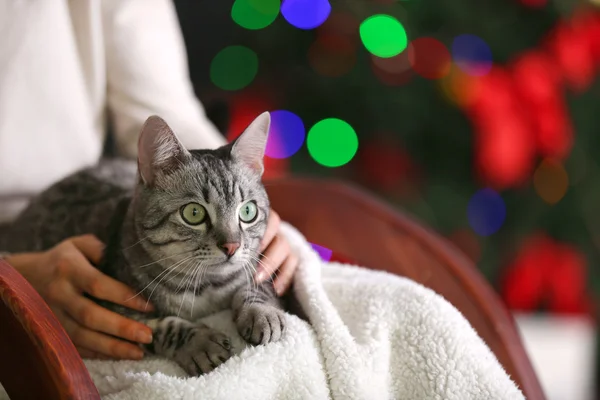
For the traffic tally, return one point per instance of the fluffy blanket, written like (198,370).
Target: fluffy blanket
(372,335)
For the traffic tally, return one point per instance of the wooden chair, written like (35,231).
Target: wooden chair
(39,361)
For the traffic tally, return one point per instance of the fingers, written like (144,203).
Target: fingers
(271,231)
(286,274)
(100,286)
(85,353)
(100,344)
(273,257)
(90,247)
(92,316)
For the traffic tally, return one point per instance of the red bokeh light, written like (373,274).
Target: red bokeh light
(429,58)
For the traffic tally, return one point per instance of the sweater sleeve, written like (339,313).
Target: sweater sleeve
(147,74)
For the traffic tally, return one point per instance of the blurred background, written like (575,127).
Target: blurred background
(479,118)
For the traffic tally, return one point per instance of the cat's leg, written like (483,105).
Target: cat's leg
(196,347)
(258,313)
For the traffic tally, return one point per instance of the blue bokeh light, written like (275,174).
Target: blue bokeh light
(472,55)
(486,212)
(324,252)
(305,14)
(286,134)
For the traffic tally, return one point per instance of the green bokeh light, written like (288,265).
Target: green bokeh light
(332,142)
(255,14)
(234,68)
(383,36)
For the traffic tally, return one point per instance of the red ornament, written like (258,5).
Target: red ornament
(494,93)
(528,99)
(524,282)
(549,274)
(504,144)
(573,55)
(505,153)
(566,284)
(554,134)
(536,78)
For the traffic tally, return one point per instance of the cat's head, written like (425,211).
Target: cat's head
(201,208)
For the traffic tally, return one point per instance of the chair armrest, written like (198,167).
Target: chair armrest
(37,358)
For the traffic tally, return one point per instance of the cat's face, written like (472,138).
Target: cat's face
(201,211)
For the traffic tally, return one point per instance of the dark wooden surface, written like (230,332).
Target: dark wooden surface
(43,363)
(37,358)
(348,221)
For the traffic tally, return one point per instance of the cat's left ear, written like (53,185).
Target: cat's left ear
(159,150)
(249,147)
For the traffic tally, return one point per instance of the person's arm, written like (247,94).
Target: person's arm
(147,74)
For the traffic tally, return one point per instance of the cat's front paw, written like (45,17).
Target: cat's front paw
(260,323)
(205,350)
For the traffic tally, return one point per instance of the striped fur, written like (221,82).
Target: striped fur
(180,267)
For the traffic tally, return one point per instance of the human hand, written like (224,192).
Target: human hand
(277,257)
(62,274)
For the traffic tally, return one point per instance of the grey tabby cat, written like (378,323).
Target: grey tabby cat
(182,229)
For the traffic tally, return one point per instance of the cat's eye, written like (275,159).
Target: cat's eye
(248,212)
(193,213)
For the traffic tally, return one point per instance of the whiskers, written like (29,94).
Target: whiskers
(165,273)
(249,265)
(136,243)
(198,268)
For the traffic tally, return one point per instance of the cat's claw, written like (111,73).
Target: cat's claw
(261,323)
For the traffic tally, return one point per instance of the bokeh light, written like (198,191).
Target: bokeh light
(332,142)
(244,107)
(342,23)
(550,181)
(305,14)
(332,55)
(324,252)
(286,134)
(486,212)
(459,87)
(472,54)
(429,58)
(393,71)
(234,68)
(255,14)
(383,35)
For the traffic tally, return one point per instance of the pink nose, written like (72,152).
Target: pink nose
(229,248)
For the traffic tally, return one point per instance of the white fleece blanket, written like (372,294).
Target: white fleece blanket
(373,336)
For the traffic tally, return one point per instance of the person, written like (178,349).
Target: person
(67,69)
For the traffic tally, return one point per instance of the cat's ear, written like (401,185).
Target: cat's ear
(159,150)
(249,147)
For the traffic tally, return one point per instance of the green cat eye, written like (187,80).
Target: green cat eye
(248,212)
(193,213)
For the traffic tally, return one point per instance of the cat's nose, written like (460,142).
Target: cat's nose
(229,248)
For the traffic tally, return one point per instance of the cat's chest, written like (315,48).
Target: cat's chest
(190,306)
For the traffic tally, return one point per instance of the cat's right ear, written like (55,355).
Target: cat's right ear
(159,150)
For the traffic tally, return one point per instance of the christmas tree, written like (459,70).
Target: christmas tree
(484,126)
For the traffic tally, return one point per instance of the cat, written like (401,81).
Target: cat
(182,227)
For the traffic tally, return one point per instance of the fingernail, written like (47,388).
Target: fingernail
(144,336)
(135,354)
(261,276)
